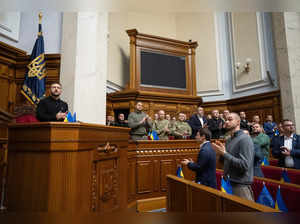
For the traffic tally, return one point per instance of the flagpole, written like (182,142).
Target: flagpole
(40,18)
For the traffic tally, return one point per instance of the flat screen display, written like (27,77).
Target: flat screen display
(162,70)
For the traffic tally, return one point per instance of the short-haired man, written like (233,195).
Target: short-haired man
(270,126)
(197,121)
(181,129)
(255,120)
(110,120)
(205,167)
(287,147)
(52,108)
(225,113)
(162,126)
(121,121)
(261,139)
(244,123)
(139,122)
(215,125)
(238,158)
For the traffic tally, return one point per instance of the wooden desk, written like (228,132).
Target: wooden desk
(67,167)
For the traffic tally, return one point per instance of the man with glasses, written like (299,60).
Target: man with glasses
(52,108)
(287,147)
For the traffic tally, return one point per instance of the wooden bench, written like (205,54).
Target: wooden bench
(187,196)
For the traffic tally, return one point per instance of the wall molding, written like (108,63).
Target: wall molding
(263,60)
(112,87)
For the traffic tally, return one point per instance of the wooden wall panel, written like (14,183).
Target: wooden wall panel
(155,160)
(132,185)
(166,167)
(260,104)
(144,177)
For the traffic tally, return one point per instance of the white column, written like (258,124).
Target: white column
(84,64)
(292,27)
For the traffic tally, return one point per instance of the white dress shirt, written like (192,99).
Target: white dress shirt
(288,143)
(201,120)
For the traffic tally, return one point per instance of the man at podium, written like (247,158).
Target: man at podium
(52,108)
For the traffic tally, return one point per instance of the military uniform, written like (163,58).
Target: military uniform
(180,128)
(139,131)
(159,127)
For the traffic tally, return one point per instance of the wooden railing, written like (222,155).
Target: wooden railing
(187,196)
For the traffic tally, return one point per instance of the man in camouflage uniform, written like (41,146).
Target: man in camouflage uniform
(139,122)
(162,126)
(182,129)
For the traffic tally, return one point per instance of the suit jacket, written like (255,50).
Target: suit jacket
(195,124)
(244,125)
(278,141)
(214,127)
(269,128)
(205,167)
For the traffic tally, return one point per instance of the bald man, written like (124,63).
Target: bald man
(238,158)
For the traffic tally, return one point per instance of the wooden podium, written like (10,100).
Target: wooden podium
(67,167)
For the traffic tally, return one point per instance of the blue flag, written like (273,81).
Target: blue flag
(153,135)
(265,198)
(70,118)
(280,205)
(265,162)
(226,186)
(285,177)
(179,172)
(34,85)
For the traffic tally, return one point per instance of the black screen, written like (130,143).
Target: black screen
(162,70)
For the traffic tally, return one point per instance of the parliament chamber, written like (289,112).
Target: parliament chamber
(86,167)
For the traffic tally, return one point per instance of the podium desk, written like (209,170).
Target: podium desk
(67,167)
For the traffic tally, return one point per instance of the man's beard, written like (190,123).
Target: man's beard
(55,94)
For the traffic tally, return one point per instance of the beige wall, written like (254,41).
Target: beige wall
(200,27)
(181,26)
(246,45)
(118,46)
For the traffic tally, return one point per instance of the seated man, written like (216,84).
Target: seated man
(162,126)
(181,129)
(287,147)
(140,123)
(205,167)
(121,121)
(110,120)
(52,108)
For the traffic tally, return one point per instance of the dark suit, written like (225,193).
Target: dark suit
(244,125)
(205,167)
(195,124)
(278,141)
(216,127)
